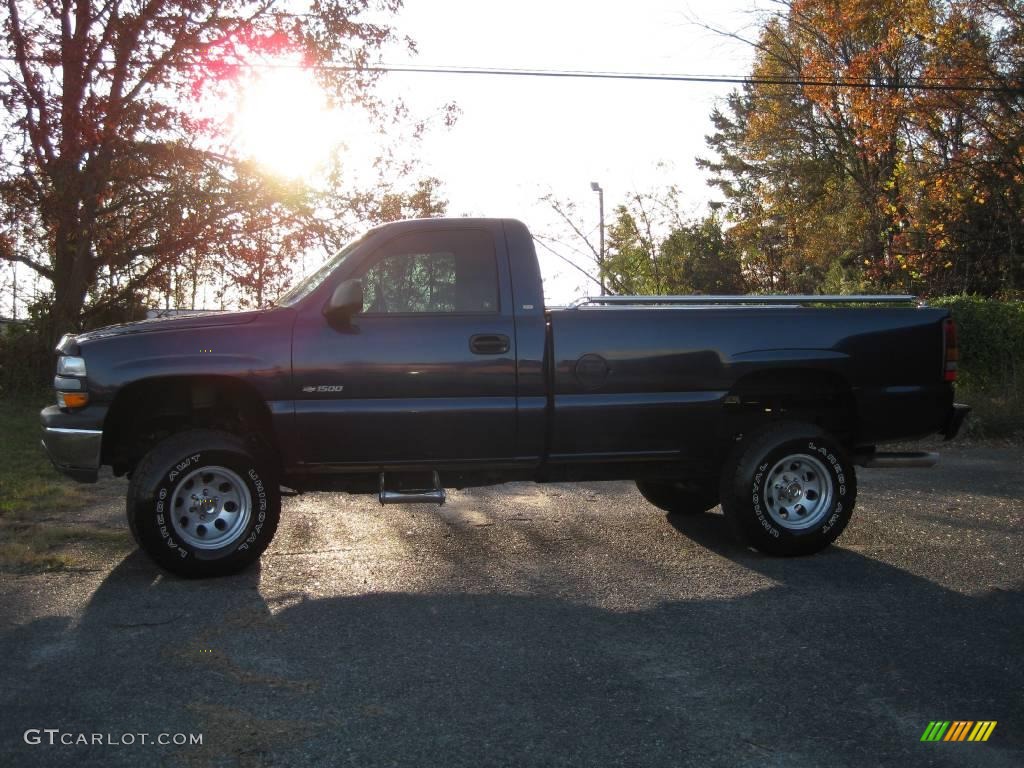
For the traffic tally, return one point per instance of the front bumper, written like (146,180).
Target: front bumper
(954,420)
(73,450)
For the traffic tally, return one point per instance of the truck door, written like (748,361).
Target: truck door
(426,372)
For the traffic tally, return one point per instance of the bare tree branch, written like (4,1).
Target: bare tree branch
(540,241)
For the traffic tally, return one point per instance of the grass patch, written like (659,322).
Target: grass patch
(28,483)
(22,557)
(30,488)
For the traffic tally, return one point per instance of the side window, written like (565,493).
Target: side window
(411,282)
(439,272)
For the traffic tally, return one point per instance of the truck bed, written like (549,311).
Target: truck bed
(653,379)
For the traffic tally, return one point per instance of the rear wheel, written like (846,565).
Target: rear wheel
(203,503)
(678,497)
(788,489)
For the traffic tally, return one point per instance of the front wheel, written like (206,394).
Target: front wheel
(788,489)
(203,503)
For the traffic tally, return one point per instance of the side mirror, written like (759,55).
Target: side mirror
(346,301)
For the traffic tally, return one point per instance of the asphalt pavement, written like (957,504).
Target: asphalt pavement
(530,625)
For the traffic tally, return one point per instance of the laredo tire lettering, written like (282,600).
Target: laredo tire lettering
(746,488)
(156,479)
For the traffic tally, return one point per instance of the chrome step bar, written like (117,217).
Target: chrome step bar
(435,495)
(897,460)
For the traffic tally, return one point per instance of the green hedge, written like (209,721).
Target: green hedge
(991,336)
(26,362)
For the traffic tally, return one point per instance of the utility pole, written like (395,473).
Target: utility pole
(600,256)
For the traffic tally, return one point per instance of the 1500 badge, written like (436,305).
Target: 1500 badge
(324,388)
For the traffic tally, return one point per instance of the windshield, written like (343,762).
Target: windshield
(313,281)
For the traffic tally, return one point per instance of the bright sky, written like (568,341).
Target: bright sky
(520,138)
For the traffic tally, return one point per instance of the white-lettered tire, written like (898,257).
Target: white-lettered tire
(203,503)
(678,497)
(788,489)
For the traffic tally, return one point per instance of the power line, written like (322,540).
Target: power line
(921,84)
(917,85)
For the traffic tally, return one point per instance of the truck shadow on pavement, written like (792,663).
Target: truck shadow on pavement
(844,660)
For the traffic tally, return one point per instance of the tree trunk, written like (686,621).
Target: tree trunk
(71,281)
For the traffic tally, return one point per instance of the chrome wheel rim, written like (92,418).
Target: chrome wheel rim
(211,508)
(798,492)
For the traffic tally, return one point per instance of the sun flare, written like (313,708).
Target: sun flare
(285,123)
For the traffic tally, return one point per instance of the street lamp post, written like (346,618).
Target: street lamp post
(600,255)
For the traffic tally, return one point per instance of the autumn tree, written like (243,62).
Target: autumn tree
(964,186)
(792,216)
(253,260)
(701,257)
(878,141)
(110,168)
(799,161)
(425,200)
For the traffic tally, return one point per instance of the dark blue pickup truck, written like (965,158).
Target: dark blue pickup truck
(422,356)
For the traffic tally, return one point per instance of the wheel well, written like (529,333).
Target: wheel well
(802,394)
(148,411)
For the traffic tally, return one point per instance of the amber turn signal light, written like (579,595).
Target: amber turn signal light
(72,399)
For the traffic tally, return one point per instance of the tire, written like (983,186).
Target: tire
(678,498)
(203,503)
(788,489)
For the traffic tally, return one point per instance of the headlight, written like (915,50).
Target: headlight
(70,366)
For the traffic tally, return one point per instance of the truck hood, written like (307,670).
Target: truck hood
(203,320)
